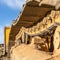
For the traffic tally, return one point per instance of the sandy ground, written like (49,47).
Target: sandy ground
(27,52)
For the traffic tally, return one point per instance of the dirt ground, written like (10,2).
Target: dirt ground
(27,52)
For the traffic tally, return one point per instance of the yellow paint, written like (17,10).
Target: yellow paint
(6,35)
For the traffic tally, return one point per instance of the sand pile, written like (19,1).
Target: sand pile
(26,52)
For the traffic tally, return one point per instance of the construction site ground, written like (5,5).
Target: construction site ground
(29,52)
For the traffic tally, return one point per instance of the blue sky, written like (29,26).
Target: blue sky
(9,10)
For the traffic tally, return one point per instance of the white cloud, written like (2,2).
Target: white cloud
(13,3)
(1,34)
(17,4)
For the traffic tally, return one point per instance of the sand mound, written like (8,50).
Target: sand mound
(26,52)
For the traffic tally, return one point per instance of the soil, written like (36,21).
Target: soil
(28,52)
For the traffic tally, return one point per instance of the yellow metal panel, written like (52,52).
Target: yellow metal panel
(6,36)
